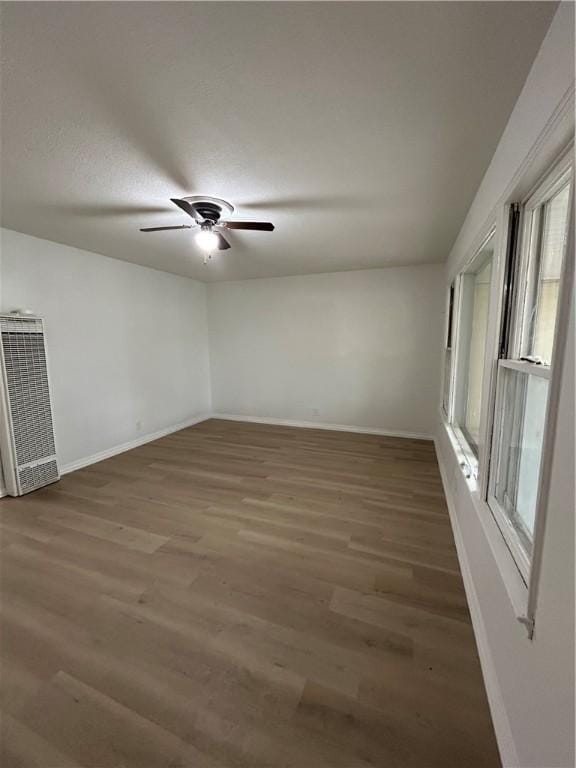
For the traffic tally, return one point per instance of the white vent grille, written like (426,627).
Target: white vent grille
(37,475)
(28,450)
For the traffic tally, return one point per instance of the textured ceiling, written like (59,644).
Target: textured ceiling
(362,130)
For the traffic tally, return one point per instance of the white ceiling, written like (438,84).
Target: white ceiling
(362,130)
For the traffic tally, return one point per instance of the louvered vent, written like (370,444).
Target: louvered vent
(28,450)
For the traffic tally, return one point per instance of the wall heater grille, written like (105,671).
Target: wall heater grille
(26,434)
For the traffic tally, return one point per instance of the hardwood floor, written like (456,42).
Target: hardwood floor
(240,595)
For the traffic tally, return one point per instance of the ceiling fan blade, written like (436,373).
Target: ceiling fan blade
(160,229)
(263,226)
(185,206)
(223,244)
(310,204)
(96,211)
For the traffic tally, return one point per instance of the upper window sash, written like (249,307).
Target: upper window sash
(528,258)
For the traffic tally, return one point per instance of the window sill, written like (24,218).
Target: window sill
(467,461)
(466,457)
(514,584)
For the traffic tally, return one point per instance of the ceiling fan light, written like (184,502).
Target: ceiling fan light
(207,240)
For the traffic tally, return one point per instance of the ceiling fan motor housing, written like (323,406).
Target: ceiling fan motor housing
(209,208)
(208,211)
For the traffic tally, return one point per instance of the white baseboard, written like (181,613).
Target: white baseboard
(106,454)
(319,425)
(502,729)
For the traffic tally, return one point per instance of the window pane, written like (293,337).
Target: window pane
(477,348)
(521,435)
(548,265)
(474,323)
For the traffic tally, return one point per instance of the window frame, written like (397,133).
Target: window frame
(449,347)
(514,307)
(474,460)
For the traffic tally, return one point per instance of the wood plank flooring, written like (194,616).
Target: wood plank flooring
(240,595)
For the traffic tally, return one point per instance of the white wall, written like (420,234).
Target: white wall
(350,348)
(530,683)
(127,345)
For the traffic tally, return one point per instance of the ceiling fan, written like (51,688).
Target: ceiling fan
(206,212)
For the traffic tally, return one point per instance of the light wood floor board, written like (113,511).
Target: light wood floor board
(235,596)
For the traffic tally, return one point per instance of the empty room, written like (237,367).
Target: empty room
(287,384)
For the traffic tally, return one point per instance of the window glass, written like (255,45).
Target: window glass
(550,226)
(523,403)
(477,348)
(474,324)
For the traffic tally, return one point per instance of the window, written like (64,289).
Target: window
(532,295)
(473,325)
(447,387)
